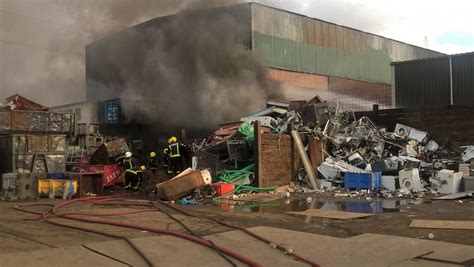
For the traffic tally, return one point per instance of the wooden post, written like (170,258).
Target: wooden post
(292,159)
(257,151)
(315,153)
(304,157)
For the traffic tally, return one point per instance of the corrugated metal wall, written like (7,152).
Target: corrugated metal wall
(428,82)
(463,79)
(294,42)
(422,83)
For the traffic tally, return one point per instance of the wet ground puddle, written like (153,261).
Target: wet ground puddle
(350,205)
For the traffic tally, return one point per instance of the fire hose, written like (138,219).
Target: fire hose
(53,212)
(312,263)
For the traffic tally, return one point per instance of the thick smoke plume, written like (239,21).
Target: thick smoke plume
(194,70)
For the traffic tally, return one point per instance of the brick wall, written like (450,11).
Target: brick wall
(350,94)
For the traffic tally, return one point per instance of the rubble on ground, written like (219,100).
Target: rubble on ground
(361,159)
(355,157)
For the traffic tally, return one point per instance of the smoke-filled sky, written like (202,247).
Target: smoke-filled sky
(194,70)
(42,42)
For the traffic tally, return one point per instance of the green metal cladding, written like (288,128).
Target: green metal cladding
(366,65)
(294,42)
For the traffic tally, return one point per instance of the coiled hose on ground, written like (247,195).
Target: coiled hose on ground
(53,212)
(77,216)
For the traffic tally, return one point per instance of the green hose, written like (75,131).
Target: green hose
(229,176)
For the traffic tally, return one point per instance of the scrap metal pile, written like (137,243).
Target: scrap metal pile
(405,162)
(358,156)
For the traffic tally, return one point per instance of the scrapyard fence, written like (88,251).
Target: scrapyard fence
(451,123)
(34,141)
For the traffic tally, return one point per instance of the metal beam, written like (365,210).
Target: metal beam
(451,80)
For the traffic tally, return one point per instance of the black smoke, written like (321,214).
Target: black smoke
(194,69)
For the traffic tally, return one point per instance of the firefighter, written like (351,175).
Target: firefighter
(140,177)
(152,162)
(166,159)
(175,149)
(133,172)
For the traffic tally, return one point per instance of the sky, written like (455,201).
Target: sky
(444,26)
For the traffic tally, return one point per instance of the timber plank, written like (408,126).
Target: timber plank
(331,214)
(442,224)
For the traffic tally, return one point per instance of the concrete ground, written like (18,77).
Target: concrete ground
(392,221)
(327,241)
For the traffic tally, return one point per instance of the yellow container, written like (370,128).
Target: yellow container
(43,187)
(58,187)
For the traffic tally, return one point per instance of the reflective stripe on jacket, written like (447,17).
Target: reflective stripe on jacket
(174,150)
(130,167)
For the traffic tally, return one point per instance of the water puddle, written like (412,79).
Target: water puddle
(286,205)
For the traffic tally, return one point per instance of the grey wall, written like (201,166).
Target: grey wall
(432,82)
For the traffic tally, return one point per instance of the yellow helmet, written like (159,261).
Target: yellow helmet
(142,168)
(152,154)
(172,140)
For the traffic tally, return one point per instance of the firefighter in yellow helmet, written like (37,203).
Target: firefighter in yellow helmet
(175,157)
(153,162)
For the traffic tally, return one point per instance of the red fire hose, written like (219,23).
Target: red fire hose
(312,263)
(72,216)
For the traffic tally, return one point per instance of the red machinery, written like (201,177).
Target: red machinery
(112,173)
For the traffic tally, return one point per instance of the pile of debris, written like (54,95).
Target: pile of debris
(405,162)
(358,158)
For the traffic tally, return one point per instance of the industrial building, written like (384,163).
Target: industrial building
(445,80)
(309,56)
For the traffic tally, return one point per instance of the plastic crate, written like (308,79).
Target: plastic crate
(223,188)
(59,175)
(360,181)
(61,188)
(237,149)
(43,187)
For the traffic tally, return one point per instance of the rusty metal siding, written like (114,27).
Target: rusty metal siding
(19,121)
(463,79)
(33,153)
(299,43)
(298,79)
(424,82)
